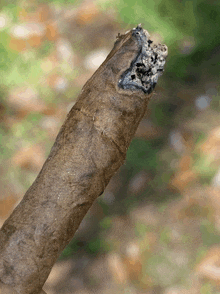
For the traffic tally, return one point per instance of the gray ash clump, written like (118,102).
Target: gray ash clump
(147,67)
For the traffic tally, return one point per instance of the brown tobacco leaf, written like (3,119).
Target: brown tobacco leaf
(5,289)
(88,150)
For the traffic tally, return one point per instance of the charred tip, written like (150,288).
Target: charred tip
(148,65)
(139,27)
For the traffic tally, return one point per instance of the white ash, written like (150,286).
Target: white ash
(147,67)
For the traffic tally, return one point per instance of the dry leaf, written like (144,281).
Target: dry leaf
(7,205)
(17,44)
(182,180)
(49,63)
(35,13)
(209,267)
(117,268)
(87,13)
(52,33)
(25,100)
(212,144)
(31,157)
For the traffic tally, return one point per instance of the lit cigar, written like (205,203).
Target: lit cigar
(88,150)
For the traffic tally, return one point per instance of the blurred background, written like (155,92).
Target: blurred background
(156,229)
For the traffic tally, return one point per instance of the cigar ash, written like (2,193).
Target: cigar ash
(146,68)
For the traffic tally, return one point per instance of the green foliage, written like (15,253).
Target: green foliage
(162,262)
(207,288)
(177,21)
(106,223)
(72,247)
(165,236)
(215,104)
(199,137)
(205,167)
(210,235)
(7,56)
(168,17)
(45,49)
(35,117)
(10,9)
(3,149)
(94,246)
(200,254)
(162,113)
(142,154)
(15,68)
(63,2)
(141,229)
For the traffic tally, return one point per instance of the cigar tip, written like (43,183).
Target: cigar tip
(148,65)
(139,26)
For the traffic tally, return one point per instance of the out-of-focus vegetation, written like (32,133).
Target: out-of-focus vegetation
(156,228)
(189,28)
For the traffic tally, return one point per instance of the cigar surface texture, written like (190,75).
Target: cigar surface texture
(88,150)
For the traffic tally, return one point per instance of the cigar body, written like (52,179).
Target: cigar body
(88,150)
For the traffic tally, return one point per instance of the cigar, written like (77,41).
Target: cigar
(89,149)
